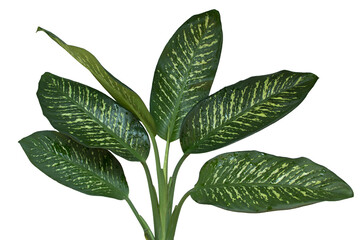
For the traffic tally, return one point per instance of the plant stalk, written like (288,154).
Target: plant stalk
(162,187)
(173,179)
(175,216)
(154,200)
(165,209)
(147,232)
(165,164)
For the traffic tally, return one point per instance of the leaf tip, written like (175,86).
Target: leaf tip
(304,76)
(46,74)
(21,142)
(346,192)
(45,78)
(24,143)
(214,11)
(312,76)
(39,29)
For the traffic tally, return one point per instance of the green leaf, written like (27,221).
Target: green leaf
(258,182)
(242,109)
(185,71)
(92,118)
(87,170)
(125,96)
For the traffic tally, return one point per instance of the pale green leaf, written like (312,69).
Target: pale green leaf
(126,97)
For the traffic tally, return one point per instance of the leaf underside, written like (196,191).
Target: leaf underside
(254,182)
(90,171)
(125,96)
(242,109)
(92,118)
(185,71)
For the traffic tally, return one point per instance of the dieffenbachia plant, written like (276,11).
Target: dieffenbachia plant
(92,126)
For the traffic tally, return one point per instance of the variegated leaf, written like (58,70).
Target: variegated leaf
(92,118)
(125,96)
(185,71)
(242,109)
(87,170)
(258,182)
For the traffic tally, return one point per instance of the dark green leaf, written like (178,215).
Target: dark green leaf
(258,182)
(242,109)
(90,171)
(185,71)
(125,96)
(92,118)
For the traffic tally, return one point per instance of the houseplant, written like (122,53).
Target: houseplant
(91,127)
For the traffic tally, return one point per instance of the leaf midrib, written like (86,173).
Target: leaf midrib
(183,86)
(255,185)
(91,116)
(247,110)
(80,166)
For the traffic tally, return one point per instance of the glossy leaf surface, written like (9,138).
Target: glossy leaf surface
(90,171)
(185,71)
(242,109)
(258,182)
(92,118)
(126,97)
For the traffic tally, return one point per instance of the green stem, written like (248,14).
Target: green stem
(173,180)
(157,159)
(180,204)
(162,186)
(165,165)
(147,232)
(154,200)
(166,208)
(175,216)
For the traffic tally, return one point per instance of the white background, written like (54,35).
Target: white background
(260,37)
